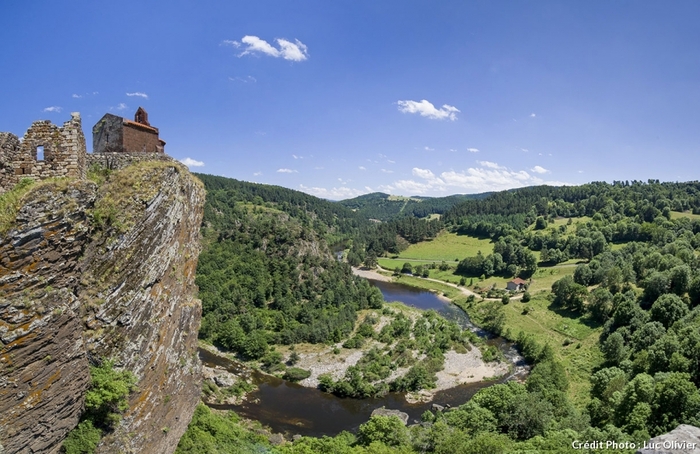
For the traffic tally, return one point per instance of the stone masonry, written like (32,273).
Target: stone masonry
(113,134)
(45,151)
(48,151)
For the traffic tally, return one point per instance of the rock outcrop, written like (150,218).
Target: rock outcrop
(684,439)
(88,273)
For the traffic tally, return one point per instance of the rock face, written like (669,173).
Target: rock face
(684,439)
(88,273)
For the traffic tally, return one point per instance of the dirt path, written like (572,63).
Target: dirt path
(369,274)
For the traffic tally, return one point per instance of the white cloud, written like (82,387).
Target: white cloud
(53,109)
(580,171)
(387,171)
(257,174)
(362,168)
(333,193)
(286,171)
(318,168)
(428,149)
(390,161)
(297,157)
(473,150)
(245,80)
(189,162)
(121,106)
(525,150)
(490,165)
(532,115)
(139,94)
(540,170)
(490,176)
(77,96)
(293,51)
(427,109)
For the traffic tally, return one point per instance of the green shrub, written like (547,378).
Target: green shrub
(83,439)
(296,374)
(107,397)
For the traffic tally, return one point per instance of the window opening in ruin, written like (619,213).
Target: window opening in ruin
(40,153)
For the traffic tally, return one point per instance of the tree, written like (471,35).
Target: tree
(255,345)
(389,430)
(614,349)
(667,309)
(540,223)
(371,260)
(600,303)
(407,268)
(583,274)
(567,293)
(107,397)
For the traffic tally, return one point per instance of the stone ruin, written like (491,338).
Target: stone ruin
(47,151)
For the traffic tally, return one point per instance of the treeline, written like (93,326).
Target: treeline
(641,201)
(322,216)
(266,275)
(381,207)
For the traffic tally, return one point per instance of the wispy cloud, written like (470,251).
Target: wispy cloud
(245,80)
(297,157)
(490,176)
(286,171)
(189,162)
(426,109)
(473,150)
(121,106)
(318,168)
(532,115)
(390,161)
(490,165)
(252,45)
(525,150)
(428,149)
(387,171)
(53,109)
(75,95)
(138,94)
(257,174)
(362,168)
(539,169)
(334,193)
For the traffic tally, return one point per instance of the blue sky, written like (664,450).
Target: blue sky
(347,97)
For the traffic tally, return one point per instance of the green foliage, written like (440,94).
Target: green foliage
(83,439)
(296,374)
(210,432)
(389,430)
(107,397)
(10,203)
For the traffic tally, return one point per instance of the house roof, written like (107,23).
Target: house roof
(141,126)
(518,281)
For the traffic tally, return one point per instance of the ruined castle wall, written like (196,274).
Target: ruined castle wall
(140,139)
(107,134)
(119,160)
(64,153)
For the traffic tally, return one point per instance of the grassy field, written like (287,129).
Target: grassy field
(685,214)
(558,327)
(448,247)
(574,339)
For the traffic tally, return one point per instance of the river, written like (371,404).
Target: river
(293,409)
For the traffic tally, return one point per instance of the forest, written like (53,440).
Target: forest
(266,276)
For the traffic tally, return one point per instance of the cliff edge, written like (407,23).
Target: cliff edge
(90,272)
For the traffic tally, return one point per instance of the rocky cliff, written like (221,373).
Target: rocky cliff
(101,271)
